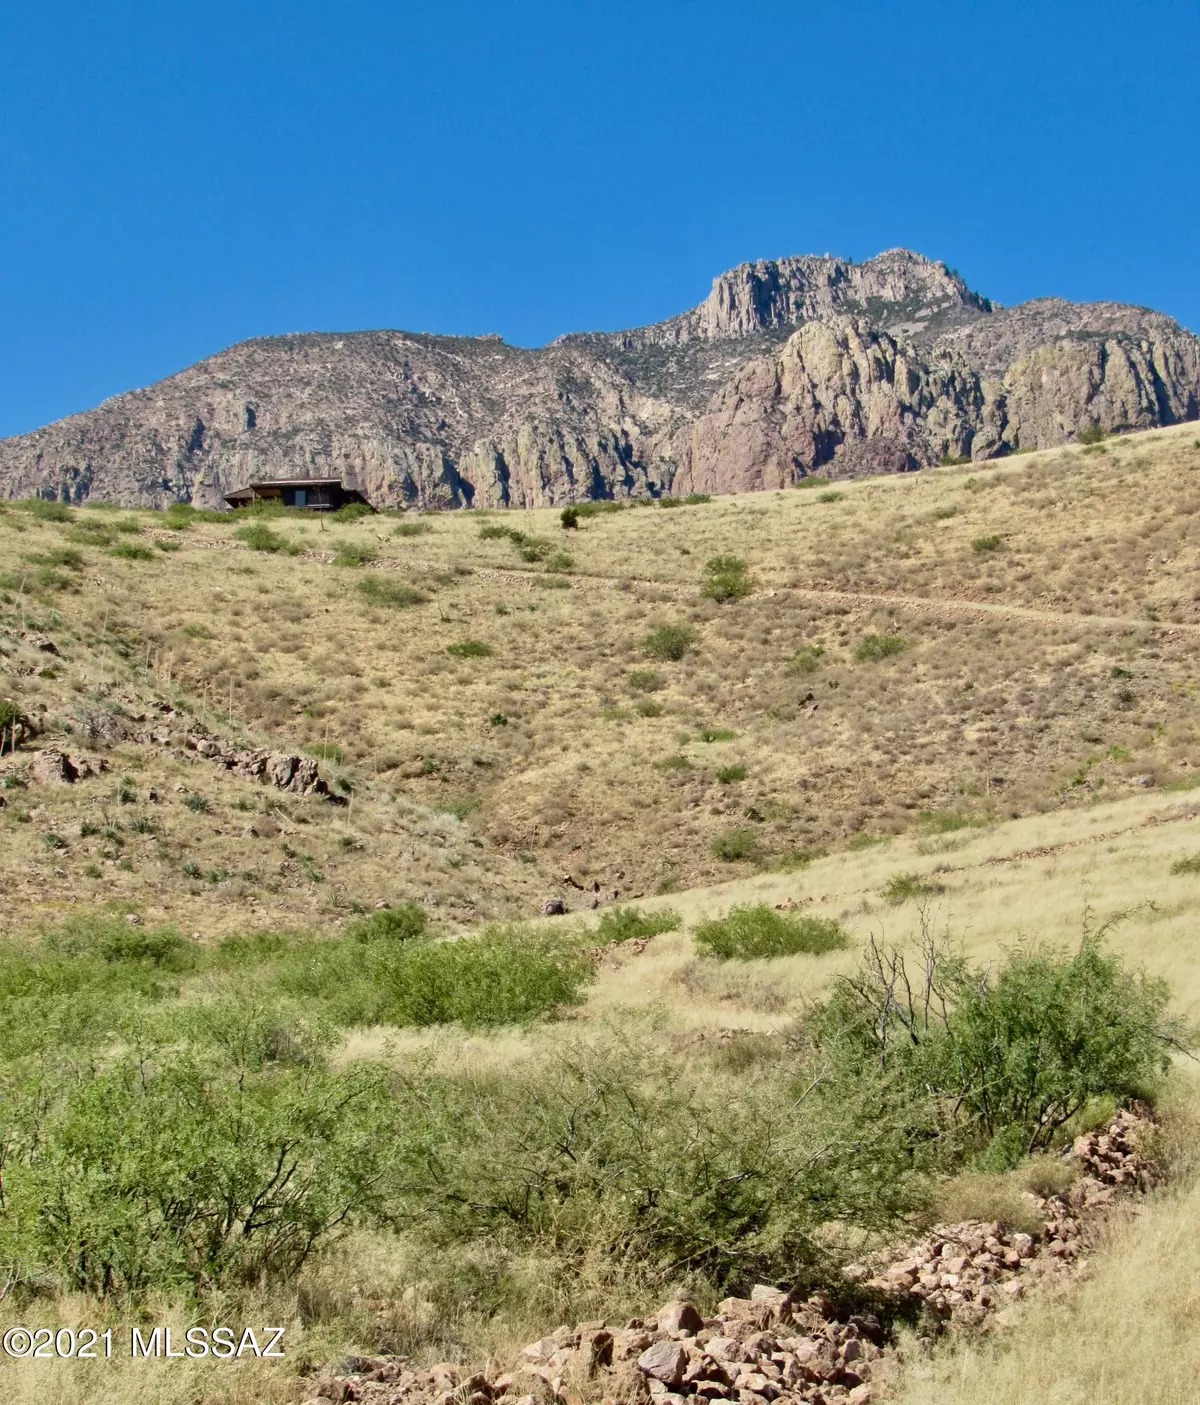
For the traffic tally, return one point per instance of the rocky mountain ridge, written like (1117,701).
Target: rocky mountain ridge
(789,367)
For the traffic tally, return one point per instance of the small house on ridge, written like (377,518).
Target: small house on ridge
(315,494)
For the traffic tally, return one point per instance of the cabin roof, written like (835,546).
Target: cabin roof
(295,483)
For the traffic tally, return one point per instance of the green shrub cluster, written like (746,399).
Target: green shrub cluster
(45,509)
(726,578)
(669,642)
(998,1060)
(391,594)
(756,930)
(412,529)
(734,845)
(173,1118)
(353,553)
(979,545)
(259,537)
(620,924)
(874,647)
(351,512)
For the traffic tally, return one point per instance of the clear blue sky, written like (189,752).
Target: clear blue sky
(178,176)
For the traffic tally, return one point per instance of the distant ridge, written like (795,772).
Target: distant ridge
(788,367)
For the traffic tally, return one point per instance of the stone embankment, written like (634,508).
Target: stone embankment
(783,1348)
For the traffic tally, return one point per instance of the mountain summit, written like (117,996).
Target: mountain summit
(789,367)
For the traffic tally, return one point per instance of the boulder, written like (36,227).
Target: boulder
(674,1317)
(664,1361)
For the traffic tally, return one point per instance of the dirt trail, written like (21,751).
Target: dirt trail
(937,605)
(942,605)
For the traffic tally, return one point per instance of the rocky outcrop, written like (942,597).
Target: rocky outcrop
(788,367)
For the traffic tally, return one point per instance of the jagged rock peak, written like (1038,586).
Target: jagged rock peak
(905,290)
(788,367)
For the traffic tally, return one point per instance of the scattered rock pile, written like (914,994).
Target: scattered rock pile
(965,1271)
(776,1348)
(284,770)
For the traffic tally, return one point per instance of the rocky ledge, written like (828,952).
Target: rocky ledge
(778,1347)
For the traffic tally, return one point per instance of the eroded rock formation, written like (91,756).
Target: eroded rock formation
(788,367)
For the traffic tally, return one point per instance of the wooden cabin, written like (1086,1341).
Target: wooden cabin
(315,494)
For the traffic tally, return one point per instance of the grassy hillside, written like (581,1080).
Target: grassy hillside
(496,730)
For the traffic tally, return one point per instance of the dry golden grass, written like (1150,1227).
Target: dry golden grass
(1036,676)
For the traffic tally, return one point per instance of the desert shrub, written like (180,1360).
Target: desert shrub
(259,537)
(619,924)
(831,496)
(353,553)
(351,512)
(982,544)
(128,525)
(325,751)
(812,480)
(873,647)
(112,939)
(131,551)
(678,762)
(691,500)
(504,975)
(795,860)
(412,529)
(45,510)
(647,707)
(598,507)
(1090,434)
(394,595)
(469,649)
(492,531)
(402,923)
(123,1178)
(901,887)
(1003,1057)
(89,532)
(945,512)
(716,734)
(198,804)
(726,578)
(13,722)
(669,642)
(733,845)
(945,821)
(607,1151)
(806,659)
(757,930)
(727,775)
(644,680)
(569,518)
(1189,865)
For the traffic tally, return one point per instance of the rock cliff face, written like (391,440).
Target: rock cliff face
(788,367)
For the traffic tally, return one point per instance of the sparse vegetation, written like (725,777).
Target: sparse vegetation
(390,594)
(983,544)
(874,647)
(469,649)
(735,845)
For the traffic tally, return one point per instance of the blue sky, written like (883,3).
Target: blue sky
(177,177)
